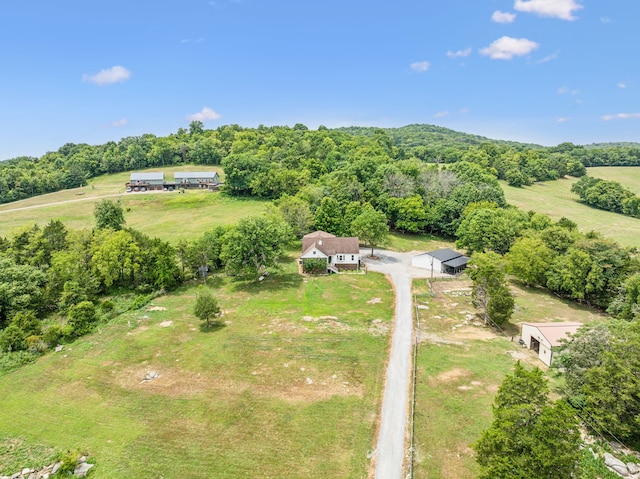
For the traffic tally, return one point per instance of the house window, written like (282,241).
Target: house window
(340,257)
(353,258)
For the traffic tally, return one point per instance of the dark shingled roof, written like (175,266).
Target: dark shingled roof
(330,244)
(318,234)
(444,254)
(457,262)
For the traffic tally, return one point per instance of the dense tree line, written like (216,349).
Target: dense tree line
(67,277)
(607,195)
(301,156)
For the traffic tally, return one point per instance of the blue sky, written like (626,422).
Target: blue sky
(542,71)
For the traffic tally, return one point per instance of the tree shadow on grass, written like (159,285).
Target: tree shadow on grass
(213,327)
(274,281)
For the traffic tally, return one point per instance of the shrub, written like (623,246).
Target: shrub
(13,338)
(53,335)
(314,266)
(82,317)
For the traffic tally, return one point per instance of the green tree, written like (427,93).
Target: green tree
(21,287)
(206,307)
(626,304)
(490,291)
(529,436)
(600,362)
(529,259)
(296,213)
(410,213)
(256,243)
(493,229)
(371,227)
(109,214)
(116,258)
(329,215)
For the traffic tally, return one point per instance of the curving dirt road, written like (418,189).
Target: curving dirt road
(390,453)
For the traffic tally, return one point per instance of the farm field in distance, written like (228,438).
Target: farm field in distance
(554,198)
(168,215)
(291,384)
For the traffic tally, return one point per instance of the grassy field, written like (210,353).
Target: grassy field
(555,199)
(169,215)
(627,176)
(461,364)
(290,387)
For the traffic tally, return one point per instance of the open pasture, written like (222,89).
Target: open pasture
(289,386)
(554,198)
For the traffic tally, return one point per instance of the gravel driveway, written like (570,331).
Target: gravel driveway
(390,453)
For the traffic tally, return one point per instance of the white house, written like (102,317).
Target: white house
(441,261)
(339,253)
(544,337)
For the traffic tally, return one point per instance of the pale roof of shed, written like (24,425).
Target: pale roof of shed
(444,254)
(554,332)
(149,175)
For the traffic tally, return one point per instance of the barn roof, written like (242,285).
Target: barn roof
(554,332)
(444,254)
(179,175)
(149,175)
(457,262)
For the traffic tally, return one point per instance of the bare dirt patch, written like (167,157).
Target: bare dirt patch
(454,374)
(156,308)
(173,382)
(517,354)
(379,328)
(435,339)
(374,301)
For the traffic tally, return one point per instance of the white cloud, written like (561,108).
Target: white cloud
(121,122)
(506,48)
(621,116)
(441,114)
(562,9)
(203,115)
(605,20)
(108,75)
(563,90)
(548,58)
(464,111)
(420,66)
(503,17)
(622,85)
(459,53)
(192,40)
(563,119)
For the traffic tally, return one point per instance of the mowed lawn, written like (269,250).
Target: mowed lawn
(290,387)
(462,363)
(169,215)
(555,199)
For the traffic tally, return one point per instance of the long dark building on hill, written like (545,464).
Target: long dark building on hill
(154,180)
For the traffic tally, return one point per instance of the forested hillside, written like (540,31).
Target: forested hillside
(73,164)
